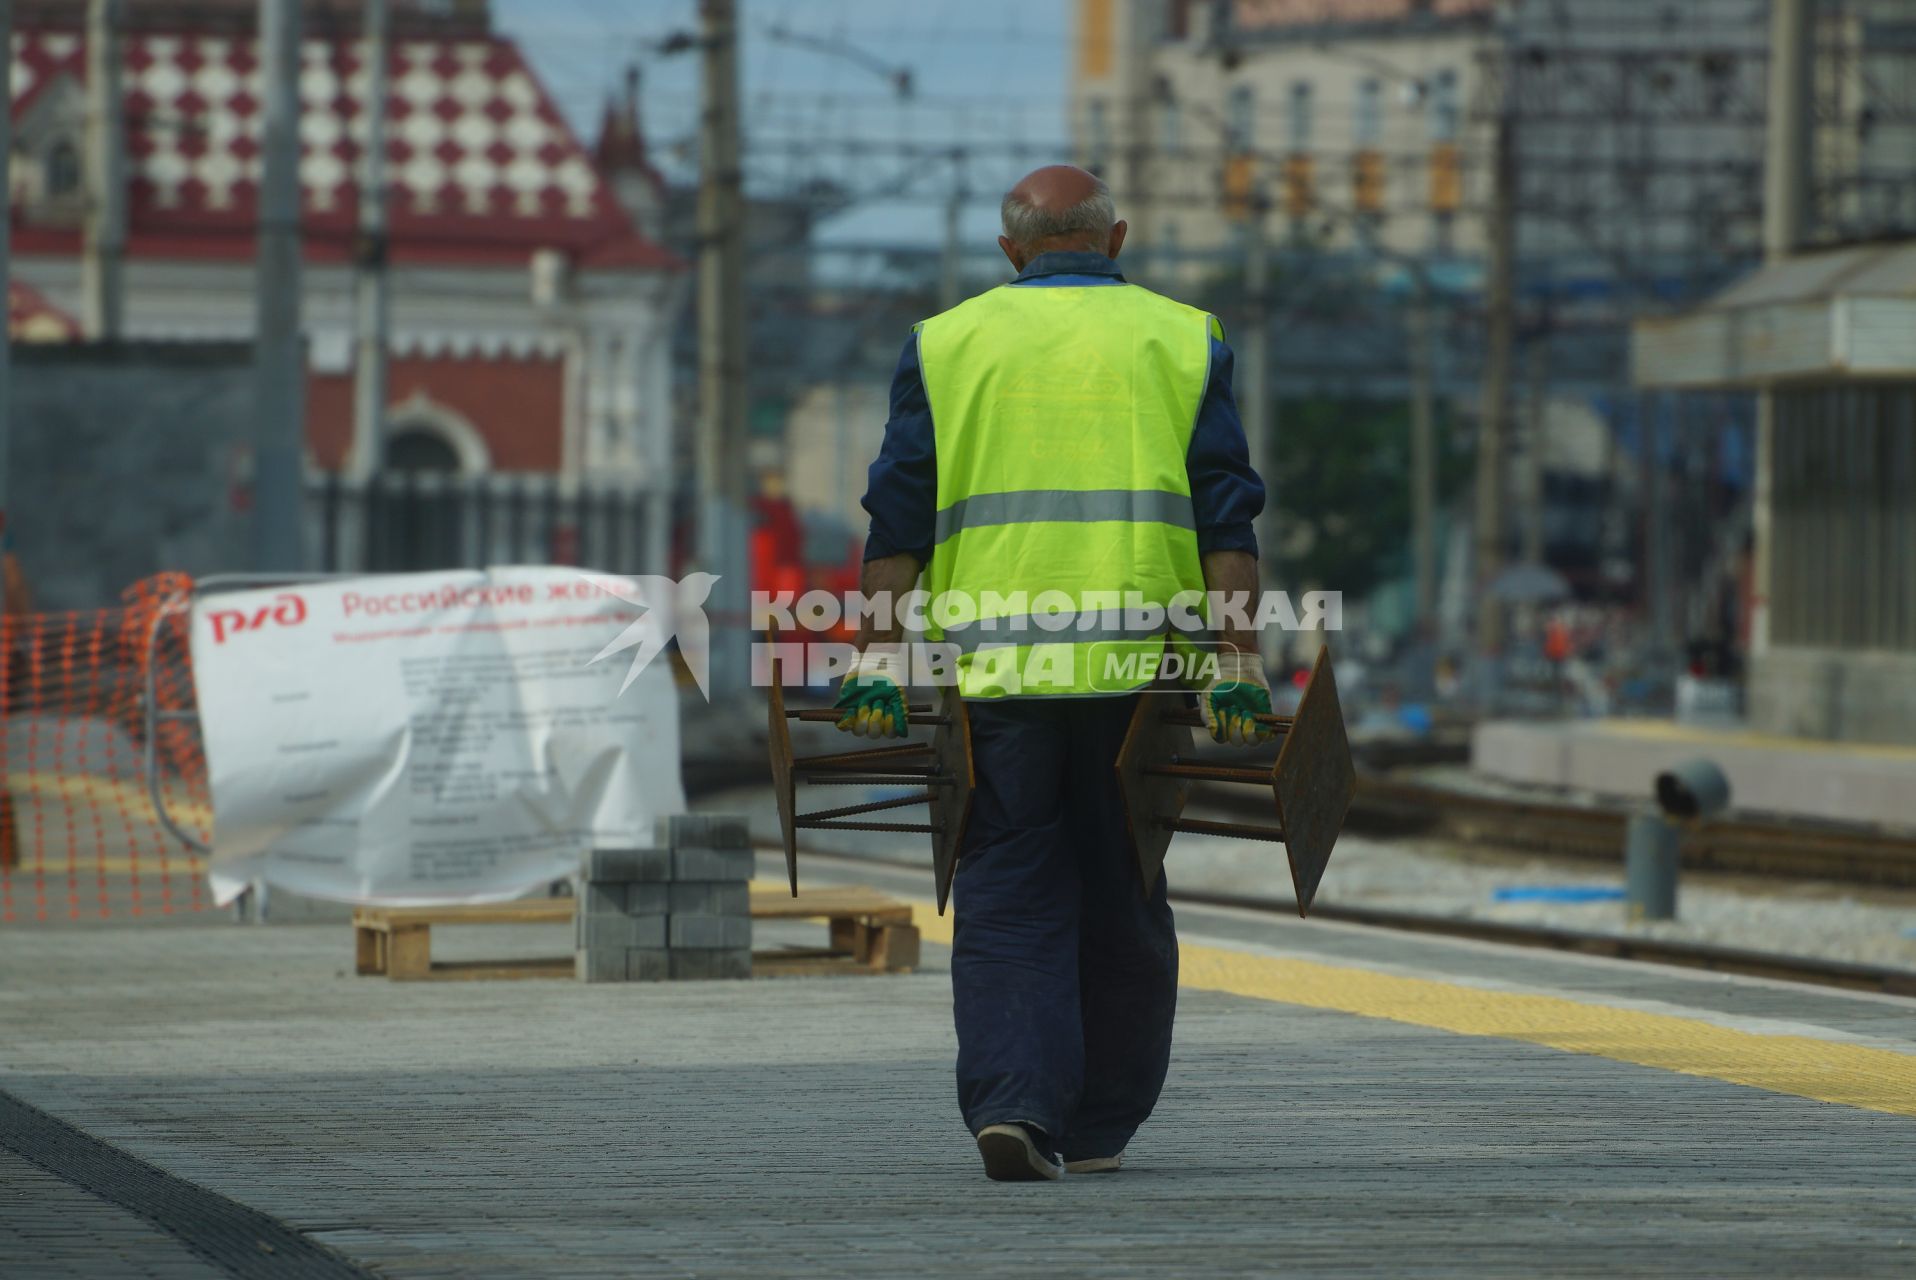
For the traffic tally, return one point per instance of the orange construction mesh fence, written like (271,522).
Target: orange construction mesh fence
(80,836)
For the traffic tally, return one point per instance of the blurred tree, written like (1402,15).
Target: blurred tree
(1341,481)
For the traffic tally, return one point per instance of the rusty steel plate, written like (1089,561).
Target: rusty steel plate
(1152,803)
(1314,781)
(951,796)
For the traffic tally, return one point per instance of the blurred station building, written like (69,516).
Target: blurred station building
(1828,339)
(1387,152)
(534,305)
(1473,204)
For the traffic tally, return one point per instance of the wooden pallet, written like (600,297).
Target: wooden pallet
(870,932)
(397,941)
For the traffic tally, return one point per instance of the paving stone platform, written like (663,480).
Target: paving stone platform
(808,1127)
(49,1227)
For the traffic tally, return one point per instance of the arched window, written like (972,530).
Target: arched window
(424,435)
(63,169)
(420,448)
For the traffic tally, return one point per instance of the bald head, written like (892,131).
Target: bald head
(1059,207)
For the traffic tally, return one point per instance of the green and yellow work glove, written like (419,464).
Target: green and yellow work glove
(871,700)
(1232,699)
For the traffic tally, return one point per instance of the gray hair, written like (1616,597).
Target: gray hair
(1091,219)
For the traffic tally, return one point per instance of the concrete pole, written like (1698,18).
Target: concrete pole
(721,332)
(1787,167)
(1500,306)
(6,276)
(279,356)
(103,247)
(1423,454)
(949,287)
(1254,375)
(1787,173)
(1142,19)
(1762,500)
(1656,528)
(372,282)
(1534,415)
(719,296)
(841,446)
(658,441)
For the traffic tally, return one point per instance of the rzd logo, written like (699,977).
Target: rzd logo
(285,610)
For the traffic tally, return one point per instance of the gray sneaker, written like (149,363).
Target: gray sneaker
(1012,1156)
(1095,1164)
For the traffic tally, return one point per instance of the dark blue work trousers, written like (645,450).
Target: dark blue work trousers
(1064,972)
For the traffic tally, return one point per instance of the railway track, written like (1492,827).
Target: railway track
(1780,848)
(1687,955)
(1387,805)
(1391,806)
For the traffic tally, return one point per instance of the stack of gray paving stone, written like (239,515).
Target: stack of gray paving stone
(679,910)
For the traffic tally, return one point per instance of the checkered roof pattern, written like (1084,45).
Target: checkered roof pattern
(478,156)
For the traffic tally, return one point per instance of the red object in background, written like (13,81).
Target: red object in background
(1556,641)
(778,550)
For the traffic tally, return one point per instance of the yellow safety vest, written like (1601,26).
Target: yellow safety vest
(1061,418)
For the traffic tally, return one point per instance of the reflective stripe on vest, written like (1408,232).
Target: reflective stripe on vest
(1062,417)
(1029,629)
(1071,506)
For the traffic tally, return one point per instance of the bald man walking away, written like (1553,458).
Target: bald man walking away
(1066,432)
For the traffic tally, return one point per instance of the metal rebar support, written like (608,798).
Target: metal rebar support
(834,779)
(916,768)
(838,759)
(870,806)
(831,715)
(890,828)
(1192,719)
(1239,830)
(1208,773)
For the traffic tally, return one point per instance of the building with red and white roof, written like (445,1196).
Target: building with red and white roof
(532,316)
(31,318)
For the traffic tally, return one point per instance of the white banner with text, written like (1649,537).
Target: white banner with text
(428,738)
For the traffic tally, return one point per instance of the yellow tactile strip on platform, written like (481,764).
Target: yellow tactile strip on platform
(1852,1075)
(1648,730)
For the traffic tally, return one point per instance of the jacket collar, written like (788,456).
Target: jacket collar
(1068,262)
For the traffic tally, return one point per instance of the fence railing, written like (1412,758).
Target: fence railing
(104,805)
(414,521)
(94,753)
